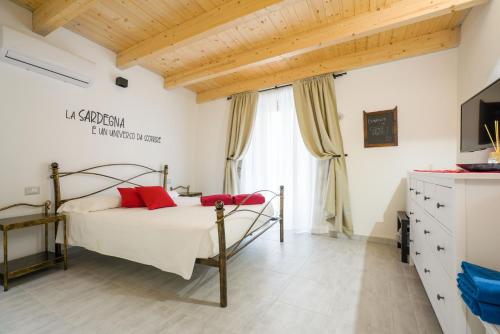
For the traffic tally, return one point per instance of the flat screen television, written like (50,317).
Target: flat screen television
(482,108)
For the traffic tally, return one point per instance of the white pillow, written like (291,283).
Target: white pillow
(90,204)
(173,194)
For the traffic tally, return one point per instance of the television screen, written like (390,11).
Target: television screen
(481,109)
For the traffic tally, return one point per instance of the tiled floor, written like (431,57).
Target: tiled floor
(309,284)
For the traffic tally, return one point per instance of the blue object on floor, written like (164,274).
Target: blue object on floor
(485,283)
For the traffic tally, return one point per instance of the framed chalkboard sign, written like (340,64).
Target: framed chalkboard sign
(381,128)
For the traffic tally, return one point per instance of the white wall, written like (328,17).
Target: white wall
(35,132)
(423,88)
(478,60)
(211,131)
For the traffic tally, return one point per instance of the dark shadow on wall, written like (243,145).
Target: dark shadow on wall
(397,203)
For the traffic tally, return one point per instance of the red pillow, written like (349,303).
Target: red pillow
(131,198)
(212,199)
(251,200)
(155,197)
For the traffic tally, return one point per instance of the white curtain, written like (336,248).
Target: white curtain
(277,155)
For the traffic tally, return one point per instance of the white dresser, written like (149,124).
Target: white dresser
(453,217)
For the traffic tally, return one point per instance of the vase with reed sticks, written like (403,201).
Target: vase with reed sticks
(494,156)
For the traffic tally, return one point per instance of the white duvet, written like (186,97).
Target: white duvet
(170,238)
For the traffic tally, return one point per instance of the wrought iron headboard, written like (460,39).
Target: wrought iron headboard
(57,175)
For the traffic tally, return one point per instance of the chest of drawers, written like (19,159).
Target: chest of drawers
(453,217)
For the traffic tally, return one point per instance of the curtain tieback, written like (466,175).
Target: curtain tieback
(334,156)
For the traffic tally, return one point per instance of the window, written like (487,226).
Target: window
(277,156)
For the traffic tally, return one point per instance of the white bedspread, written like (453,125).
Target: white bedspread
(170,238)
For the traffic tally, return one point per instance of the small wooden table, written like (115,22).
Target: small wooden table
(187,193)
(29,264)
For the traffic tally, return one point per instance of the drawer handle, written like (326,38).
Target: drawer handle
(417,192)
(417,253)
(411,240)
(411,189)
(426,270)
(427,232)
(426,198)
(417,220)
(439,297)
(439,248)
(411,213)
(438,205)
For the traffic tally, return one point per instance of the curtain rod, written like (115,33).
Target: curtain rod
(335,76)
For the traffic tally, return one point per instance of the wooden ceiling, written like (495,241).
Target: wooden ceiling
(220,47)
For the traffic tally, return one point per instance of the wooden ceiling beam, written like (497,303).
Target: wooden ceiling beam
(397,15)
(416,46)
(53,14)
(192,30)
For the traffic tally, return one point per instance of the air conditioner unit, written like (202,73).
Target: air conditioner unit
(35,55)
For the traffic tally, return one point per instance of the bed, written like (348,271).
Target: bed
(172,239)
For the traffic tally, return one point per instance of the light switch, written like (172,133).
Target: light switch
(32,190)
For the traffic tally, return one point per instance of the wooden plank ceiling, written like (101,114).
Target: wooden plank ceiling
(220,47)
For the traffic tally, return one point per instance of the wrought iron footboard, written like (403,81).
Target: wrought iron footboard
(250,235)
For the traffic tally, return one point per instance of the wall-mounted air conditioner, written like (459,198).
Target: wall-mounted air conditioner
(38,56)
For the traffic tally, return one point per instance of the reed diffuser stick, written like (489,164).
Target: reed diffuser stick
(491,138)
(496,135)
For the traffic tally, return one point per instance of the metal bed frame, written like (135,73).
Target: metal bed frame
(225,254)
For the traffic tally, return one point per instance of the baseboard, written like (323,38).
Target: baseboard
(365,238)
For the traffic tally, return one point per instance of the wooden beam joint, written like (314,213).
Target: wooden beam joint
(192,30)
(53,14)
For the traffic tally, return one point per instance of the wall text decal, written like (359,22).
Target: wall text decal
(109,125)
